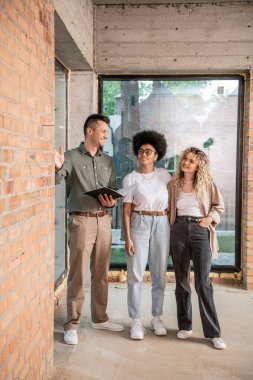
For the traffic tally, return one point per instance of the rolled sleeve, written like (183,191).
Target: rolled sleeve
(128,198)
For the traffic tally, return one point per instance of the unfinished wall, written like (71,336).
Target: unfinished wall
(82,102)
(74,47)
(26,189)
(173,37)
(208,37)
(77,16)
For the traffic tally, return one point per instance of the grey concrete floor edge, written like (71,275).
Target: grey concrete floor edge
(113,355)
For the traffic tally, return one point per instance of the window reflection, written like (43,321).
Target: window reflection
(201,113)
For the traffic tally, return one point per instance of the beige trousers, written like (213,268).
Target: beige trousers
(89,242)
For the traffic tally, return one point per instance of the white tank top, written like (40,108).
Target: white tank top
(188,204)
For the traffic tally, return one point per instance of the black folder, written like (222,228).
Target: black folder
(103,190)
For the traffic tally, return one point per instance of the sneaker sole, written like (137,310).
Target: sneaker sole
(185,337)
(218,348)
(163,334)
(107,328)
(136,338)
(71,343)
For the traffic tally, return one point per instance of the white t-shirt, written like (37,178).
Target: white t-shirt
(188,204)
(147,191)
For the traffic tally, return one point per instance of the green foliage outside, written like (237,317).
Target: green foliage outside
(226,244)
(113,88)
(119,255)
(145,89)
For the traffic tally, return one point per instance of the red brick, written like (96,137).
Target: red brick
(20,171)
(5,56)
(7,155)
(3,358)
(3,106)
(6,320)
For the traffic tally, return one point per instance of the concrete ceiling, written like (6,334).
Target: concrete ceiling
(66,49)
(157,2)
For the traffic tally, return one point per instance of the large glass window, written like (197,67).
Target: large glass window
(195,111)
(60,193)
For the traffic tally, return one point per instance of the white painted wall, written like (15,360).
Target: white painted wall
(168,38)
(77,15)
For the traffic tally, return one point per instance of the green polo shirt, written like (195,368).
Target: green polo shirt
(82,172)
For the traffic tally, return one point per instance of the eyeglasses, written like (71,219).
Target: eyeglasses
(148,152)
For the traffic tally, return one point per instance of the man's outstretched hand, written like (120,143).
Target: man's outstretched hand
(59,158)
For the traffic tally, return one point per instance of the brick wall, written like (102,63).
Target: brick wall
(26,188)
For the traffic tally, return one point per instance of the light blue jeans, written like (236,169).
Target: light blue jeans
(150,236)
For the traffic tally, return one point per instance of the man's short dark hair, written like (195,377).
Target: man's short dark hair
(92,120)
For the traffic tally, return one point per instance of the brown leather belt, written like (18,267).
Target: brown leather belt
(152,213)
(98,214)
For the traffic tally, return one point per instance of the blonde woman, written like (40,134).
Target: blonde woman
(195,207)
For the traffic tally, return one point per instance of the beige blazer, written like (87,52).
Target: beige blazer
(211,204)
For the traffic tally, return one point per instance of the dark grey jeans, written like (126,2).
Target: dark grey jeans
(189,241)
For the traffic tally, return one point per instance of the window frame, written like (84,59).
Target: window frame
(239,153)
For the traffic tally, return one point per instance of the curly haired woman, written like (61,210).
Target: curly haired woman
(146,229)
(195,207)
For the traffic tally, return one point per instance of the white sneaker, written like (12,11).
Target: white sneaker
(137,331)
(184,334)
(158,326)
(108,325)
(70,337)
(218,343)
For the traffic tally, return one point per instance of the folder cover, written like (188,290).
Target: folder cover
(103,190)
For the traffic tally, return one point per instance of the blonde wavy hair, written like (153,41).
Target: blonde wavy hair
(202,175)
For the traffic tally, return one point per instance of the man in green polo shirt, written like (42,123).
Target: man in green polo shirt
(86,168)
